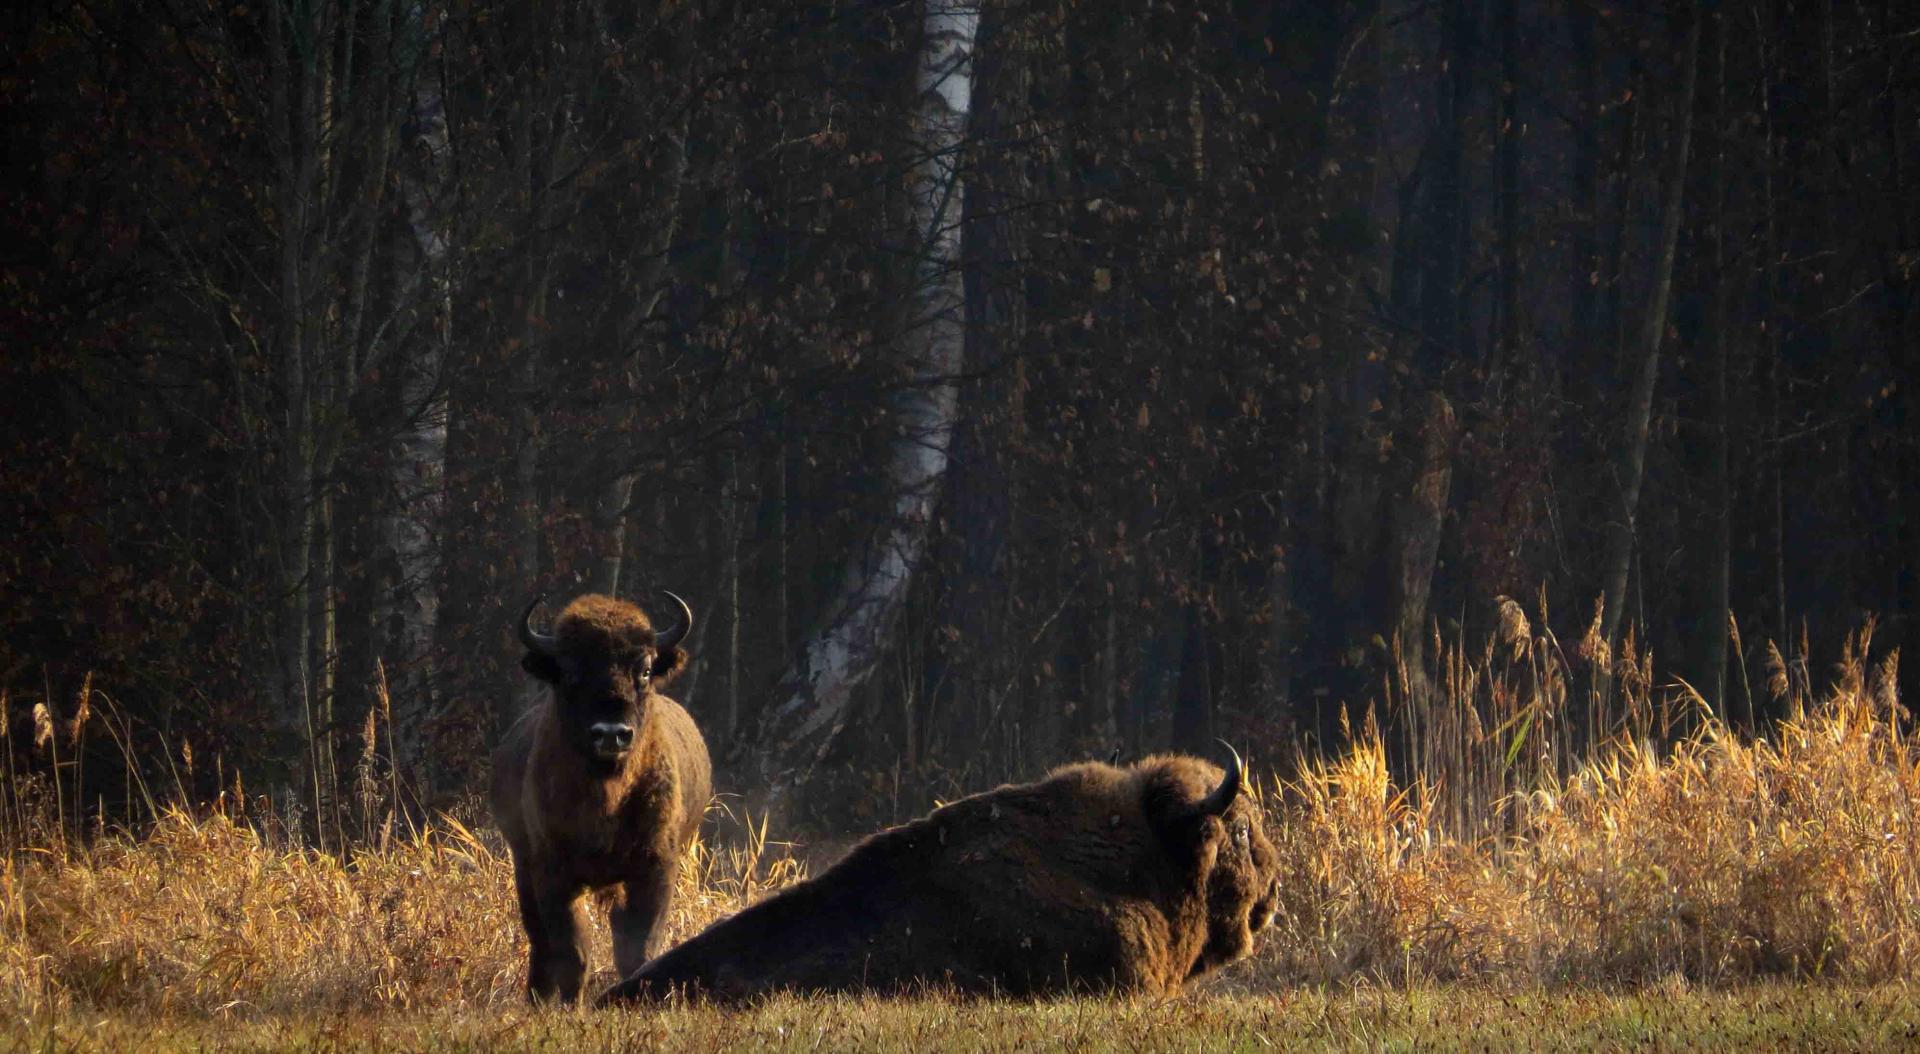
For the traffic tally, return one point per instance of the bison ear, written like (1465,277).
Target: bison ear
(668,664)
(541,666)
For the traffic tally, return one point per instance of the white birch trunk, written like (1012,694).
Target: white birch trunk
(815,696)
(419,468)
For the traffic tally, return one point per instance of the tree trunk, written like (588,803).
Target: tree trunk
(330,66)
(539,147)
(508,151)
(1192,727)
(1420,509)
(732,502)
(1443,237)
(520,504)
(1418,502)
(1899,261)
(295,107)
(815,696)
(1771,323)
(649,287)
(326,661)
(970,655)
(1586,187)
(1509,151)
(418,483)
(1633,447)
(1713,624)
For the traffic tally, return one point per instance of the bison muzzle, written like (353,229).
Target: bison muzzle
(600,787)
(1097,878)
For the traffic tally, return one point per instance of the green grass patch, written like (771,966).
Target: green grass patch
(1661,1017)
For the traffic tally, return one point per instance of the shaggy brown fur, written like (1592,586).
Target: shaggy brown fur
(1097,878)
(580,812)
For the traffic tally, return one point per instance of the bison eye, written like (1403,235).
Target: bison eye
(1240,834)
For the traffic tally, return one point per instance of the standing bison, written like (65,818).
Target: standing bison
(1097,878)
(600,787)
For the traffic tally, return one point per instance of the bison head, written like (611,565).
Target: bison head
(604,660)
(1222,831)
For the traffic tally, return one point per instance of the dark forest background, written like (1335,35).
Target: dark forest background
(1278,341)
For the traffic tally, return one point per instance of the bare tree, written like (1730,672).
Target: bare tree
(1633,446)
(649,285)
(1713,624)
(330,67)
(410,611)
(816,694)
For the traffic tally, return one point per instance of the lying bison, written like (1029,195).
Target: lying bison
(1096,878)
(599,788)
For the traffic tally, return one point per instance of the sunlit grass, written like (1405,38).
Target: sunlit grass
(1604,887)
(1767,1017)
(1721,859)
(202,916)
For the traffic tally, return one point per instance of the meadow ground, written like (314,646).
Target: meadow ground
(1664,1017)
(1654,877)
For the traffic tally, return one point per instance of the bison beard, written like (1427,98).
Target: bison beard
(599,788)
(1097,878)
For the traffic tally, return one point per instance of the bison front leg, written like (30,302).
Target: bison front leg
(539,985)
(556,938)
(636,916)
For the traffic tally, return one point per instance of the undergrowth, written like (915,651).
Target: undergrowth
(201,915)
(1629,853)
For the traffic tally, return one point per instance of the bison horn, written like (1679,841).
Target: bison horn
(1217,803)
(537,643)
(678,633)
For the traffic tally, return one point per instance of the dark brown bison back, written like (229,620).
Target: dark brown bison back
(1064,885)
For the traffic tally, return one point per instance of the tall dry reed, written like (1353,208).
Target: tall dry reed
(1672,845)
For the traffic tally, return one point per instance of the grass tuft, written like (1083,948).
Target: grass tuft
(1717,859)
(202,916)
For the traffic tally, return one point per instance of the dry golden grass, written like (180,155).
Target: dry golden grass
(1516,858)
(201,916)
(1794,855)
(1718,860)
